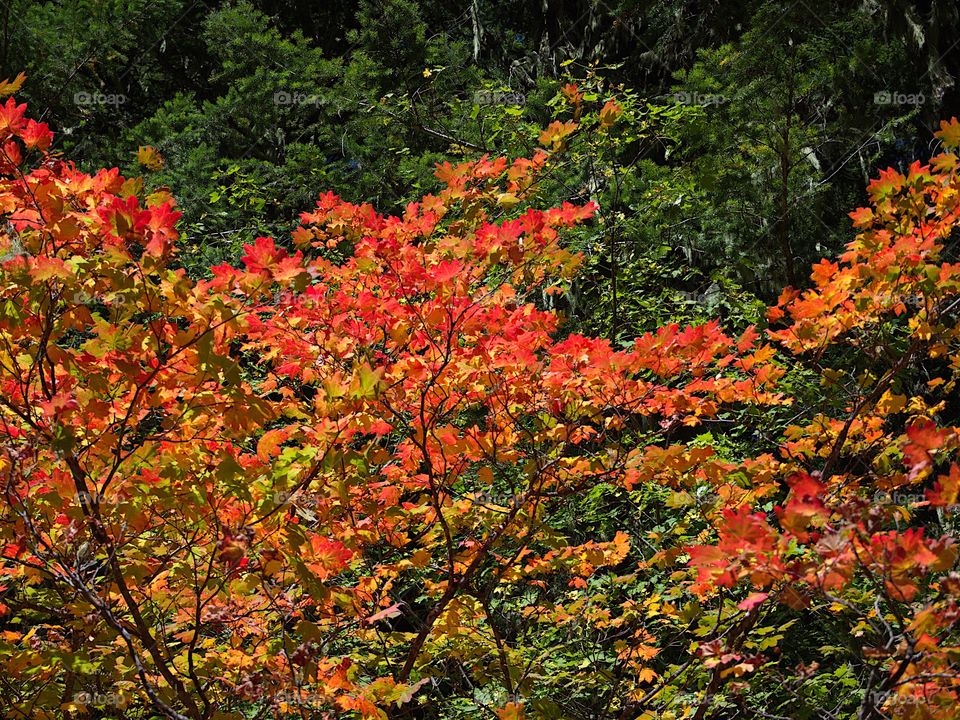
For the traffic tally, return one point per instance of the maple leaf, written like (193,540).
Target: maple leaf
(555,135)
(262,256)
(446,271)
(572,93)
(862,217)
(924,439)
(927,436)
(269,444)
(148,156)
(946,488)
(8,87)
(949,133)
(511,711)
(804,506)
(609,114)
(36,135)
(752,601)
(330,556)
(12,119)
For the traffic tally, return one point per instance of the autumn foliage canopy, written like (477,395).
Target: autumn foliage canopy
(336,480)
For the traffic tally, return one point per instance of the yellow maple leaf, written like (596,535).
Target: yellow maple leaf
(949,133)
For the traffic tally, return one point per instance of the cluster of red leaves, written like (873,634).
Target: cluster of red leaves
(230,476)
(853,531)
(219,493)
